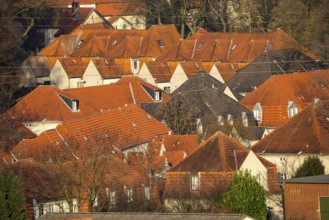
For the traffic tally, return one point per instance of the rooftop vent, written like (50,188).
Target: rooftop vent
(160,43)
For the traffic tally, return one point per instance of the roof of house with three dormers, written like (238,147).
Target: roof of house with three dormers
(231,47)
(120,128)
(46,103)
(276,93)
(305,133)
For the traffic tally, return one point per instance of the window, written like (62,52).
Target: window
(229,119)
(147,193)
(160,43)
(167,89)
(199,126)
(244,119)
(110,196)
(258,112)
(234,46)
(129,193)
(75,104)
(134,66)
(157,95)
(80,84)
(124,26)
(200,45)
(220,120)
(292,109)
(195,182)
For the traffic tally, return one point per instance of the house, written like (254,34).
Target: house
(184,71)
(241,48)
(283,96)
(127,90)
(270,63)
(125,129)
(306,197)
(36,71)
(158,74)
(224,71)
(63,21)
(217,106)
(46,107)
(305,134)
(212,165)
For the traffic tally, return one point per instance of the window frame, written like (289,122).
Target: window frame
(195,182)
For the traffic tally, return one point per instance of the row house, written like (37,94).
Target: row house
(283,96)
(210,167)
(304,135)
(39,114)
(271,63)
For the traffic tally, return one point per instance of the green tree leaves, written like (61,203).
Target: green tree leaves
(12,201)
(246,196)
(311,166)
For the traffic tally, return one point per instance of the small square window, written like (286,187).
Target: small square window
(160,43)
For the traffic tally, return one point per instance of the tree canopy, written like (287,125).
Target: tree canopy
(246,196)
(311,166)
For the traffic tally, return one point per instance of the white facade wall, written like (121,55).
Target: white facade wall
(145,74)
(216,74)
(39,127)
(58,76)
(178,78)
(60,206)
(110,81)
(91,76)
(94,18)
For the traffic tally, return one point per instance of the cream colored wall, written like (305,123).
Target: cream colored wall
(74,82)
(229,93)
(39,127)
(110,81)
(131,24)
(255,166)
(58,76)
(92,76)
(216,74)
(290,162)
(145,74)
(42,80)
(178,78)
(94,18)
(164,84)
(84,5)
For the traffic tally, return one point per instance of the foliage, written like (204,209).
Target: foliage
(311,166)
(12,201)
(179,115)
(246,196)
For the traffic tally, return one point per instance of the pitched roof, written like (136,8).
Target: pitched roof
(276,92)
(123,128)
(128,90)
(12,132)
(190,68)
(217,154)
(319,179)
(113,9)
(60,47)
(307,133)
(227,70)
(109,68)
(269,63)
(73,66)
(200,80)
(187,143)
(39,65)
(47,103)
(161,71)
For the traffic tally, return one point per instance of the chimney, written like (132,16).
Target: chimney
(75,6)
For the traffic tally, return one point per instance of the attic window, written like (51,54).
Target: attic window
(160,43)
(292,109)
(200,45)
(220,120)
(234,46)
(81,42)
(229,119)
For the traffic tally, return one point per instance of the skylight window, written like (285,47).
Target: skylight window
(76,16)
(160,43)
(81,42)
(234,46)
(200,45)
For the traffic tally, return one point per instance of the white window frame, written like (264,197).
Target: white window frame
(258,112)
(292,109)
(147,192)
(129,193)
(157,95)
(195,182)
(111,196)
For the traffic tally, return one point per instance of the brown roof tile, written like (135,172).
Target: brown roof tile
(187,143)
(161,71)
(307,132)
(73,66)
(274,94)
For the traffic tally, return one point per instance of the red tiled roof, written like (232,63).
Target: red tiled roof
(227,70)
(190,68)
(107,9)
(274,94)
(108,68)
(73,66)
(45,103)
(230,47)
(307,133)
(60,47)
(186,143)
(120,128)
(161,71)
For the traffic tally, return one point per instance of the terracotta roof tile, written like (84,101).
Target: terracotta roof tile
(45,103)
(161,71)
(276,92)
(108,68)
(107,9)
(73,66)
(187,143)
(227,70)
(307,132)
(60,47)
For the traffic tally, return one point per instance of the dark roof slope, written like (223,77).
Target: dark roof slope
(271,62)
(320,179)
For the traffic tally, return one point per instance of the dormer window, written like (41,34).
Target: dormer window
(229,119)
(200,45)
(160,43)
(292,109)
(234,46)
(244,119)
(75,104)
(157,96)
(81,42)
(199,126)
(258,112)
